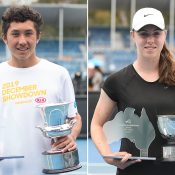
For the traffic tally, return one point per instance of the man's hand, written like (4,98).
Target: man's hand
(65,143)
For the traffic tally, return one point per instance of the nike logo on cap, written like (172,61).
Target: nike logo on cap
(147,15)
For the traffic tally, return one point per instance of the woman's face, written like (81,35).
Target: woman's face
(149,41)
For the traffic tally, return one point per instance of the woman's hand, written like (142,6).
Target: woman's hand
(65,143)
(123,163)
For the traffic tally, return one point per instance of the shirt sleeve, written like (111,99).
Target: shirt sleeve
(68,95)
(110,87)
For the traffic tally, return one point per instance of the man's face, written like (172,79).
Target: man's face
(21,40)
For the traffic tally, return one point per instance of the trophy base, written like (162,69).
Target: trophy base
(130,158)
(59,162)
(168,153)
(47,171)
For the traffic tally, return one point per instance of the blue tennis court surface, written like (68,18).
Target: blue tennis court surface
(96,164)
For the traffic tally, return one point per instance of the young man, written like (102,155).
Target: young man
(27,81)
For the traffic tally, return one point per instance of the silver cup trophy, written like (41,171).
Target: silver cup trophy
(56,124)
(166,125)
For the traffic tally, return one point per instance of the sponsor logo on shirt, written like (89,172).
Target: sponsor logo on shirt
(21,93)
(40,100)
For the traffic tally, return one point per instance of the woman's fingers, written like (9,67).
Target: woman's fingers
(125,158)
(123,162)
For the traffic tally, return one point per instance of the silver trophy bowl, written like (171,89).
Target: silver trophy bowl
(166,125)
(56,124)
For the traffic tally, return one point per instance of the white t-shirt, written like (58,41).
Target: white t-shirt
(22,89)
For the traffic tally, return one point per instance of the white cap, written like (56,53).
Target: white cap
(146,16)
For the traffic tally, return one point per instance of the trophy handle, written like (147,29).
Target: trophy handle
(42,130)
(72,122)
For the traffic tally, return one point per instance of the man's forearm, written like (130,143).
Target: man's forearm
(77,127)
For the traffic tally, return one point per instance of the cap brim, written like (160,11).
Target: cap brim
(141,25)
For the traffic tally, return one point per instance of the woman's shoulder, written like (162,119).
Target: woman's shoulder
(123,73)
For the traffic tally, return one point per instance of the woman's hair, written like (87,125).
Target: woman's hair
(21,14)
(166,67)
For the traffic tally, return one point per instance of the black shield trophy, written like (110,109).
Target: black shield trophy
(138,130)
(166,125)
(56,124)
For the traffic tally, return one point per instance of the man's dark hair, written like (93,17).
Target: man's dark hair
(21,14)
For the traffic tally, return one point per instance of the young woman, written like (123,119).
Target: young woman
(148,83)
